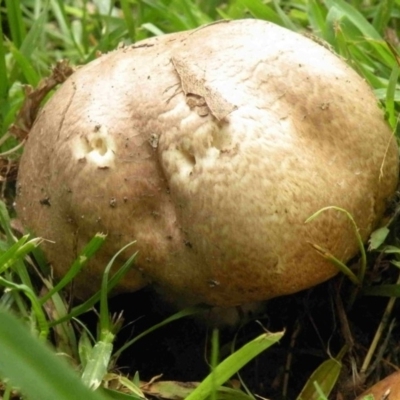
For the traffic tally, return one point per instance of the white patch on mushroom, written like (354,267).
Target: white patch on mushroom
(194,147)
(97,147)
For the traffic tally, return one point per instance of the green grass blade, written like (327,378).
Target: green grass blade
(19,266)
(258,9)
(16,22)
(4,83)
(194,15)
(97,363)
(129,20)
(287,22)
(64,334)
(382,290)
(5,223)
(325,376)
(105,324)
(390,103)
(367,30)
(88,251)
(100,355)
(214,362)
(31,40)
(317,15)
(233,364)
(58,9)
(33,367)
(383,15)
(38,312)
(24,63)
(355,17)
(10,253)
(378,237)
(17,252)
(161,11)
(84,347)
(343,267)
(88,304)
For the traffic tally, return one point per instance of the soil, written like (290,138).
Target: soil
(316,323)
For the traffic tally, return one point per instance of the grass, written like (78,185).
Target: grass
(37,34)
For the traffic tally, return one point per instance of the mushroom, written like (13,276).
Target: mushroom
(210,148)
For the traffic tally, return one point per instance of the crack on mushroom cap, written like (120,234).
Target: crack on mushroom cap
(197,91)
(97,147)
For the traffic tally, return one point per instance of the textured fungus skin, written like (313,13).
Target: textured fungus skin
(210,148)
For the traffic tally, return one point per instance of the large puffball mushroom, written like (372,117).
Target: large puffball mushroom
(210,148)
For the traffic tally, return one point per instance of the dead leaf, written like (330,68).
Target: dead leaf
(34,97)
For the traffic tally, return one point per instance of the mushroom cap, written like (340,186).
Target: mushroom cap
(210,148)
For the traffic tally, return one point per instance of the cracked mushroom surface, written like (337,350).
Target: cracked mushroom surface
(210,148)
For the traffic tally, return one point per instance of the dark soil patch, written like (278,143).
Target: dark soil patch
(314,331)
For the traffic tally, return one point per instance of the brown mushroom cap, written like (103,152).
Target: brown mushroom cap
(210,148)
